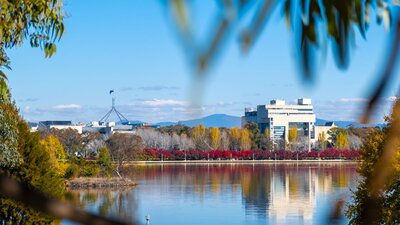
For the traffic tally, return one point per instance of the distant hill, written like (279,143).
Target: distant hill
(345,124)
(165,124)
(214,120)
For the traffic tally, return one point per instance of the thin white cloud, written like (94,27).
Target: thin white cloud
(67,106)
(164,102)
(349,100)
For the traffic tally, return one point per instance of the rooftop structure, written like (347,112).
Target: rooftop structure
(114,110)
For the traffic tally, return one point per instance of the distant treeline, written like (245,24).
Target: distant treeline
(105,154)
(181,137)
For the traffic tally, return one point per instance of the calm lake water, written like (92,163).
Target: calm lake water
(242,194)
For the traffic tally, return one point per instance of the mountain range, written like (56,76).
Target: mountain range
(228,121)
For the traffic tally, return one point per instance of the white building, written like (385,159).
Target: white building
(278,118)
(110,128)
(323,129)
(59,124)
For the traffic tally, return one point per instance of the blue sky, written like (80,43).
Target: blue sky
(132,47)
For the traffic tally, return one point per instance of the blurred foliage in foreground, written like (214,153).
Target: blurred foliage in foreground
(25,159)
(384,207)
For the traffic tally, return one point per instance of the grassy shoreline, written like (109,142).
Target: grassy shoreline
(98,182)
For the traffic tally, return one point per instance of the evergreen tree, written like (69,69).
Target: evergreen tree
(255,135)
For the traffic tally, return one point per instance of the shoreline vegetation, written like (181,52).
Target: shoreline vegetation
(255,154)
(98,183)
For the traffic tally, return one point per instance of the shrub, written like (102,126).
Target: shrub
(89,171)
(331,153)
(72,171)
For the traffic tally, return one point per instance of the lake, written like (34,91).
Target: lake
(234,194)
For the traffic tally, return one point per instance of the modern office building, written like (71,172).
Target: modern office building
(277,118)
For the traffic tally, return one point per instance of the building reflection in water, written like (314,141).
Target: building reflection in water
(287,191)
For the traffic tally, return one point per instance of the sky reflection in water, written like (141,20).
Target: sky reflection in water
(289,193)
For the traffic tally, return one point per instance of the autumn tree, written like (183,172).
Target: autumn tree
(35,170)
(56,152)
(123,148)
(342,141)
(383,207)
(322,140)
(70,139)
(200,138)
(235,135)
(245,140)
(293,135)
(338,137)
(215,137)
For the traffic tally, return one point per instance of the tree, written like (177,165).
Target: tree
(338,137)
(105,161)
(293,134)
(322,140)
(383,208)
(235,134)
(9,156)
(185,143)
(341,141)
(354,142)
(178,129)
(35,170)
(70,139)
(56,152)
(266,141)
(4,92)
(200,138)
(245,141)
(40,21)
(123,148)
(255,134)
(225,140)
(215,137)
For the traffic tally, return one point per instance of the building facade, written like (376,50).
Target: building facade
(277,118)
(58,124)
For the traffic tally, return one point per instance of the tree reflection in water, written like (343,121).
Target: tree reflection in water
(119,203)
(275,192)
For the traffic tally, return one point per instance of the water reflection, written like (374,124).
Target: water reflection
(117,203)
(228,193)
